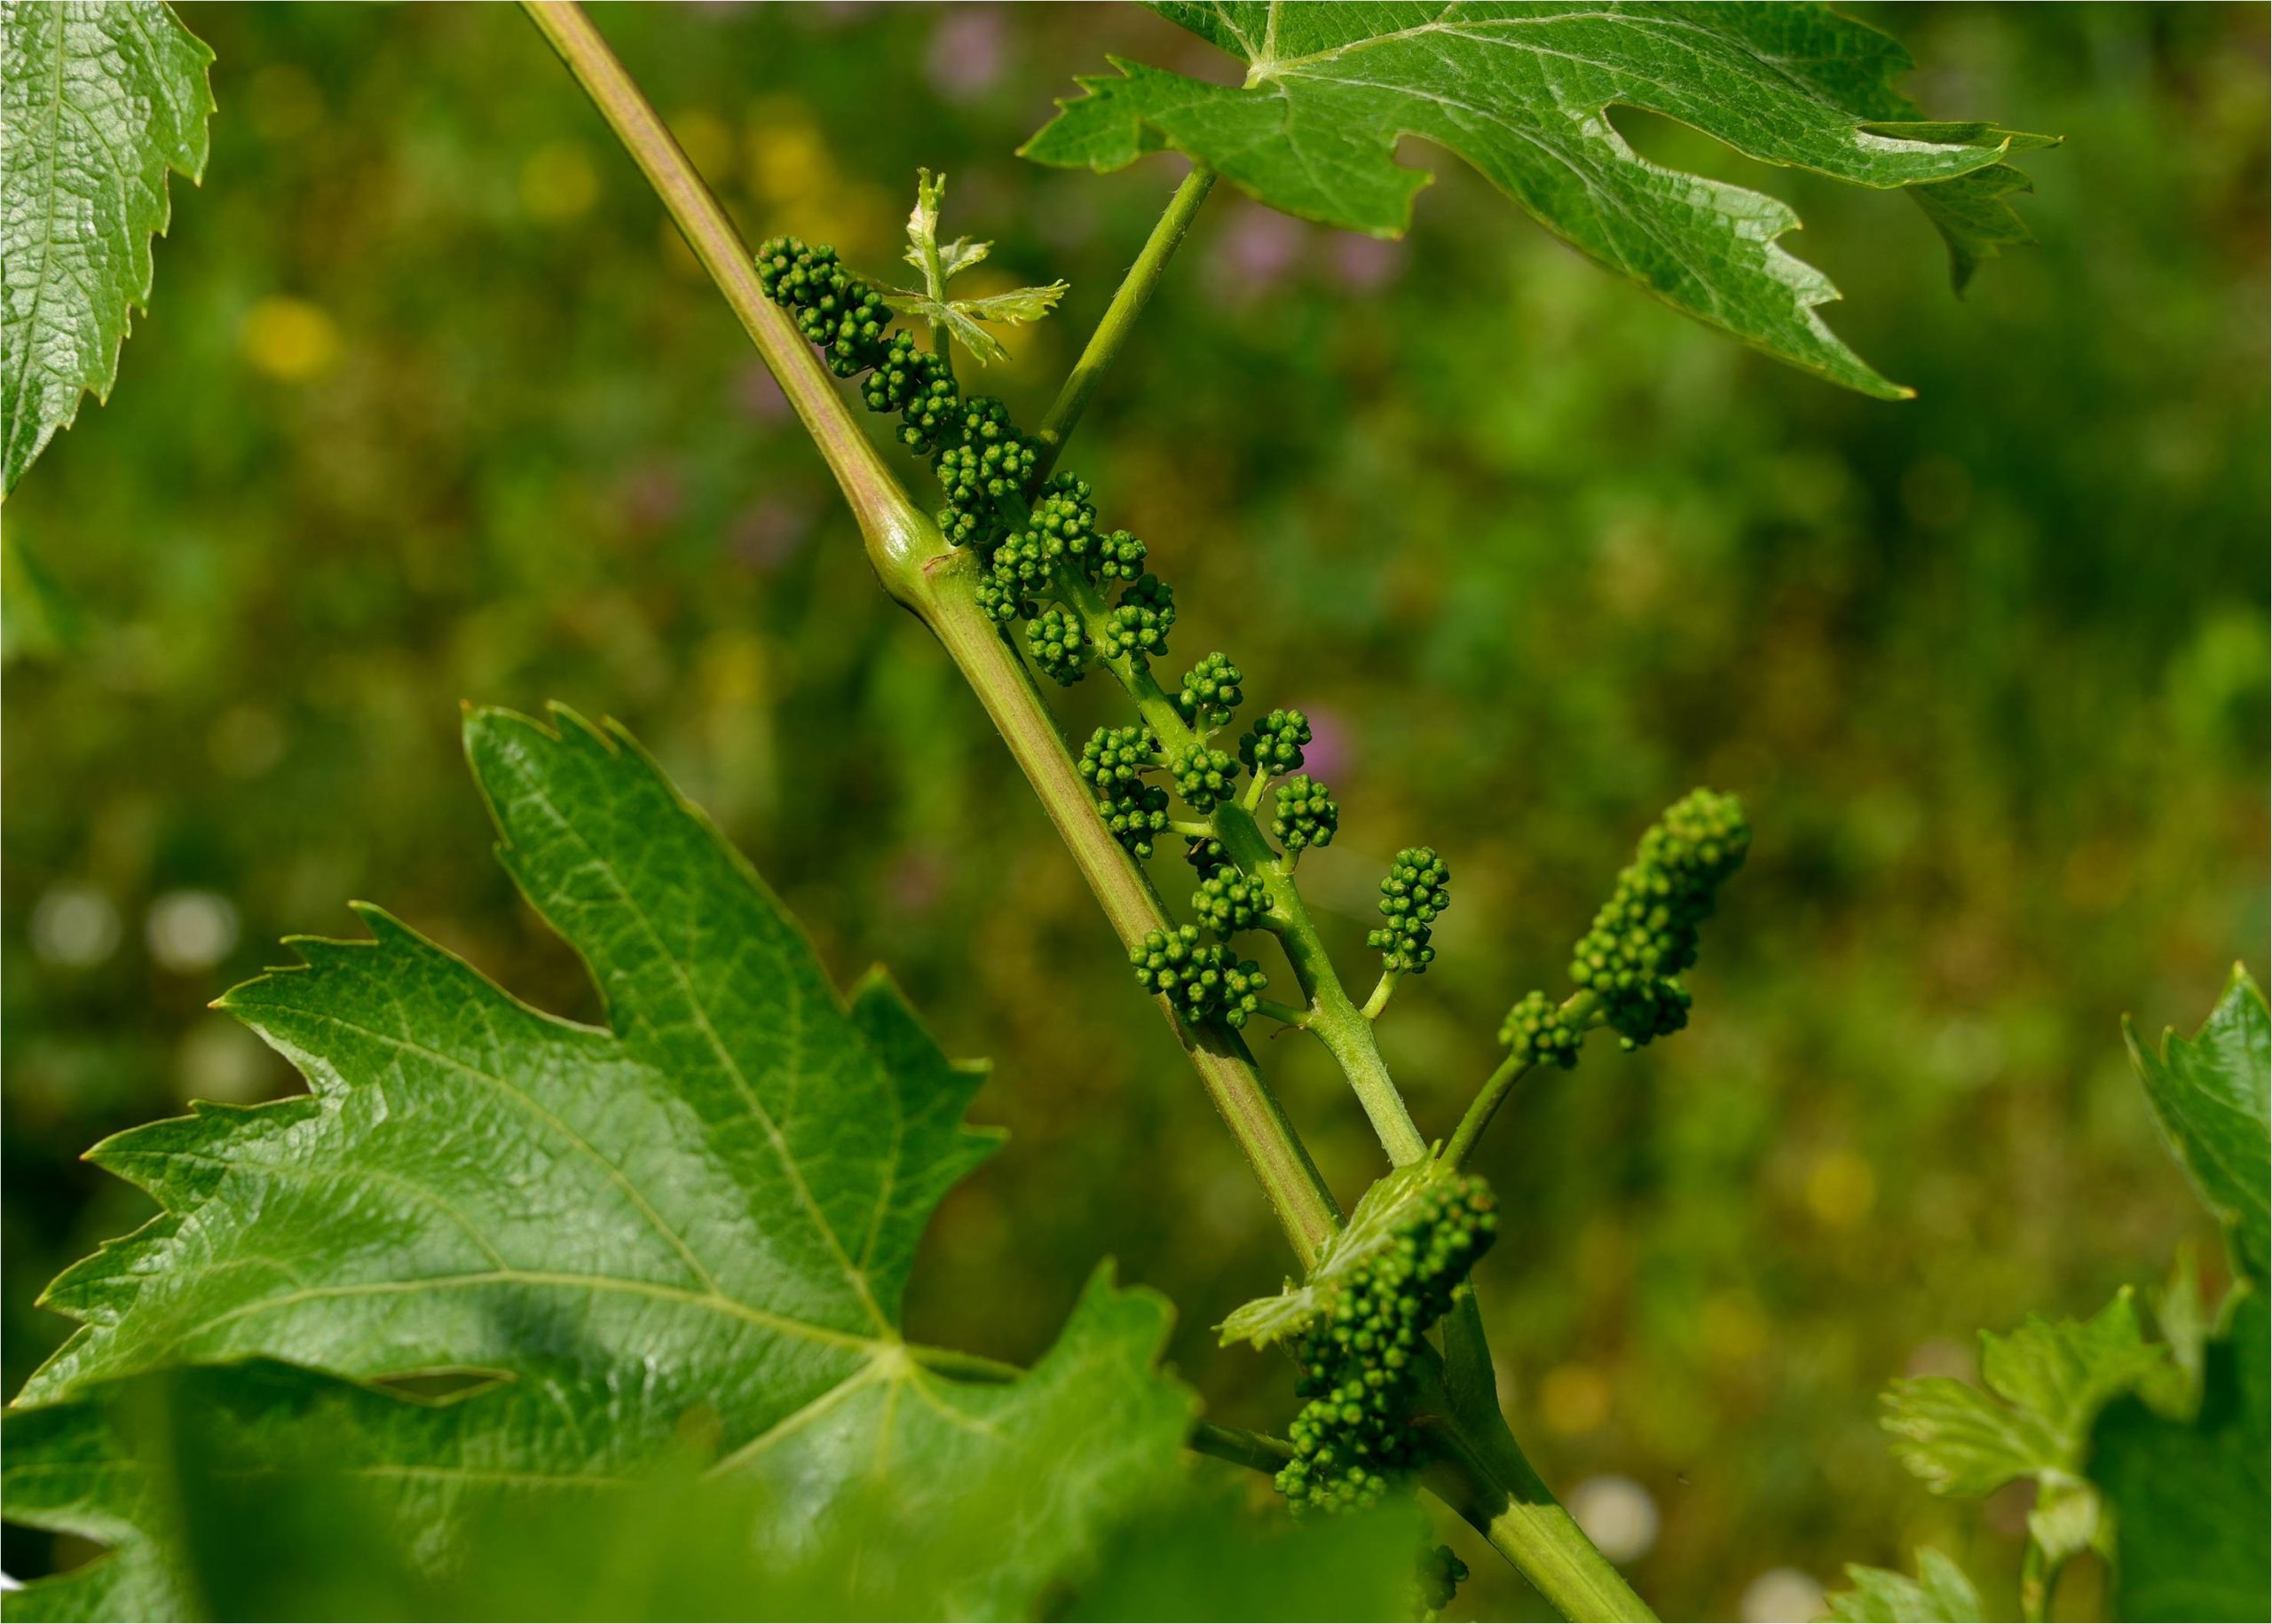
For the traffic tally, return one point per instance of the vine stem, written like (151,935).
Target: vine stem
(893,526)
(1119,319)
(1258,1450)
(1480,1471)
(927,576)
(2038,1576)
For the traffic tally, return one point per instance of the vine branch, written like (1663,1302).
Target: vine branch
(892,524)
(1119,319)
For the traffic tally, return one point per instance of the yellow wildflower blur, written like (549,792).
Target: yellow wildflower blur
(289,339)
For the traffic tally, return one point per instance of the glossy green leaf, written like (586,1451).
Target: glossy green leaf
(1521,91)
(2044,1385)
(700,1217)
(262,1490)
(2213,1096)
(100,98)
(2193,1502)
(1940,1594)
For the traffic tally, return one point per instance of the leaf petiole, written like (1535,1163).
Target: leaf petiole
(1119,319)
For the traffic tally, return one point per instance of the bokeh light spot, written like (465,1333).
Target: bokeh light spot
(189,931)
(75,926)
(1574,1399)
(289,339)
(1782,1596)
(1618,1515)
(1841,1189)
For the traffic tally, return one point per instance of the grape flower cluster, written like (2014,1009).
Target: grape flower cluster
(1086,598)
(1358,1355)
(1626,965)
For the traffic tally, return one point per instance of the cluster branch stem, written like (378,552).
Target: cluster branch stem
(1334,1019)
(1584,1009)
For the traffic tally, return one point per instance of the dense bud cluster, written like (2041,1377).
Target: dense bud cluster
(1273,745)
(1117,756)
(926,416)
(1352,1435)
(1438,1580)
(1112,764)
(994,464)
(1042,558)
(1065,514)
(1022,569)
(1211,692)
(1203,777)
(1540,1034)
(1206,855)
(1306,816)
(1057,645)
(1136,817)
(1201,978)
(904,374)
(1140,623)
(1228,901)
(1418,888)
(1120,556)
(1647,934)
(834,310)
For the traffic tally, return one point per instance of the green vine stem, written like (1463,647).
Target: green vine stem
(1006,688)
(921,571)
(1258,1450)
(1119,319)
(894,527)
(2038,1576)
(1480,1471)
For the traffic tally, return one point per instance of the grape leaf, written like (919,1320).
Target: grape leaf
(1940,1594)
(101,98)
(1371,1225)
(940,263)
(703,1215)
(2192,1501)
(2213,1097)
(266,1491)
(1521,93)
(2051,1377)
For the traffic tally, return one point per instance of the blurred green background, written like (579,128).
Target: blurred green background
(432,406)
